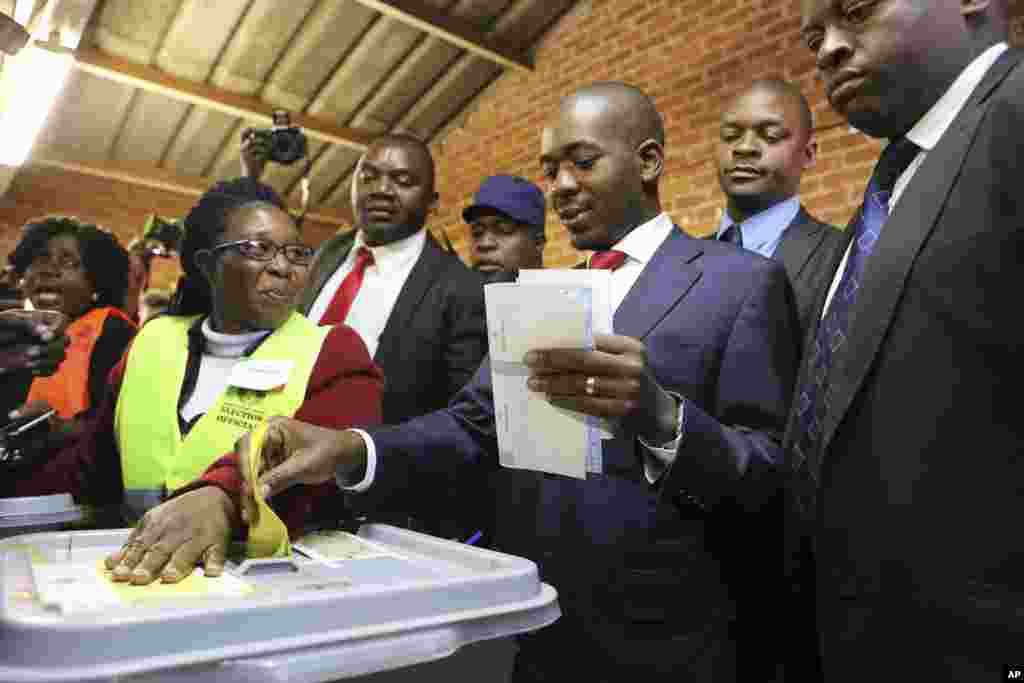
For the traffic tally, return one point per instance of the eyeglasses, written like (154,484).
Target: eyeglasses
(265,250)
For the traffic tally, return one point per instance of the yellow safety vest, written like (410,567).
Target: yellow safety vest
(155,459)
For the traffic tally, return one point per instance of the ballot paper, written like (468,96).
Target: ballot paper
(268,537)
(532,433)
(333,546)
(87,586)
(599,282)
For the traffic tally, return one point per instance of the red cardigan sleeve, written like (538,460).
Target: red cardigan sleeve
(344,391)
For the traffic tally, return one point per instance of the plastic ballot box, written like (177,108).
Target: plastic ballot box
(37,513)
(384,604)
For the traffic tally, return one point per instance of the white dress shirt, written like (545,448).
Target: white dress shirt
(382,283)
(929,129)
(639,246)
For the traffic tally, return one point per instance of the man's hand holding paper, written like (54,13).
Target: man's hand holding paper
(613,381)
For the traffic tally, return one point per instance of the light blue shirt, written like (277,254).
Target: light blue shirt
(762,232)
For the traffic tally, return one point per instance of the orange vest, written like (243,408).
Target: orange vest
(67,390)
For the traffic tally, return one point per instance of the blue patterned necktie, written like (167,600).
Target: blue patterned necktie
(814,399)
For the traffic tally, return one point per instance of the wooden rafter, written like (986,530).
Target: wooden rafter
(151,79)
(450,29)
(154,177)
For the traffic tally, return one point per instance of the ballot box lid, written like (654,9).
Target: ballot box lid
(19,515)
(344,604)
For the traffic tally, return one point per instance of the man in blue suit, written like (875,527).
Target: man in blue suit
(652,558)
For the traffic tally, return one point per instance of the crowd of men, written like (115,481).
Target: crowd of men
(815,465)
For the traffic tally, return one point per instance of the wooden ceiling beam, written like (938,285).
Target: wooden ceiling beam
(450,29)
(152,79)
(144,174)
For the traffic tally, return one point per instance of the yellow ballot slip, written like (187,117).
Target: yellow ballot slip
(269,536)
(195,584)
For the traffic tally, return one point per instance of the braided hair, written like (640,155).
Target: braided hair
(204,225)
(104,260)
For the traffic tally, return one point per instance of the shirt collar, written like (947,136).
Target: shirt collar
(642,241)
(763,227)
(396,255)
(203,340)
(933,125)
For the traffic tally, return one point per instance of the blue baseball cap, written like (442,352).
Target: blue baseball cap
(516,197)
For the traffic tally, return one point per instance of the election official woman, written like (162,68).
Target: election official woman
(231,351)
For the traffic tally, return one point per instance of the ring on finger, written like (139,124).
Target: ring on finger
(590,386)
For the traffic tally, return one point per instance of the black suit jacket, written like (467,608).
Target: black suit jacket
(432,344)
(436,335)
(915,499)
(810,252)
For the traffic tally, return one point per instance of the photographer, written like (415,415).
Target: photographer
(283,143)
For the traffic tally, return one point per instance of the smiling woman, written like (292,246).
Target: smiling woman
(230,353)
(81,271)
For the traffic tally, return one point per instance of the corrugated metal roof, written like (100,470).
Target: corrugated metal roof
(337,60)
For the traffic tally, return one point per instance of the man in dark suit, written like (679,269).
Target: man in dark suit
(419,309)
(648,556)
(904,435)
(766,141)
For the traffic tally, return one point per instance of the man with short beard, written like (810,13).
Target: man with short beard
(418,308)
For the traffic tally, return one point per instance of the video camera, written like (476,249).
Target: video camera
(162,236)
(286,142)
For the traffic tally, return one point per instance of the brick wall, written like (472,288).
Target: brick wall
(690,55)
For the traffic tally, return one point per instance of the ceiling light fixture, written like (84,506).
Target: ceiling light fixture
(32,81)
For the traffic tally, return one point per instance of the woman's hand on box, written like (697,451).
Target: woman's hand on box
(173,538)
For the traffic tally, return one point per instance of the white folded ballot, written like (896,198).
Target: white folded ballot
(544,309)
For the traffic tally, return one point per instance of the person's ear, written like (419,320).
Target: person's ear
(652,160)
(435,198)
(205,263)
(971,8)
(810,152)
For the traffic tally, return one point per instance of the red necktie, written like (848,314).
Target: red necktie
(346,294)
(606,260)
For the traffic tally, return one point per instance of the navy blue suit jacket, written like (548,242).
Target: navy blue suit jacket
(645,573)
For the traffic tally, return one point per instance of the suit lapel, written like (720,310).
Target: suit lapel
(907,229)
(799,240)
(422,276)
(811,333)
(330,257)
(666,279)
